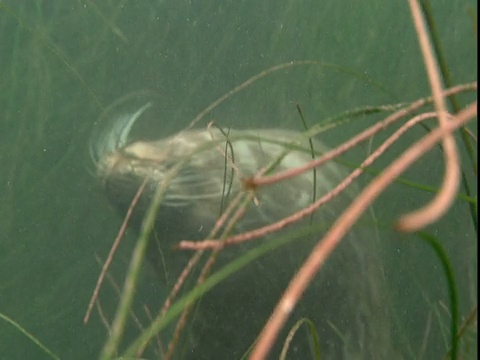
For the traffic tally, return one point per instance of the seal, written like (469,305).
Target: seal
(214,166)
(209,166)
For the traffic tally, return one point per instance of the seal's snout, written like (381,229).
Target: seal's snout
(112,131)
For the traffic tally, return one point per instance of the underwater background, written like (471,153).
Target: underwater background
(64,62)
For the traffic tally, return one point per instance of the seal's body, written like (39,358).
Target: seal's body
(214,165)
(208,167)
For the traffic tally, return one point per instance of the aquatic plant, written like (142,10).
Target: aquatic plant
(44,39)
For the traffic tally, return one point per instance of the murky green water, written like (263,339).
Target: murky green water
(62,63)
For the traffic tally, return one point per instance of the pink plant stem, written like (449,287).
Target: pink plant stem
(226,214)
(193,261)
(324,248)
(113,249)
(209,244)
(181,280)
(246,236)
(349,144)
(196,257)
(451,179)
